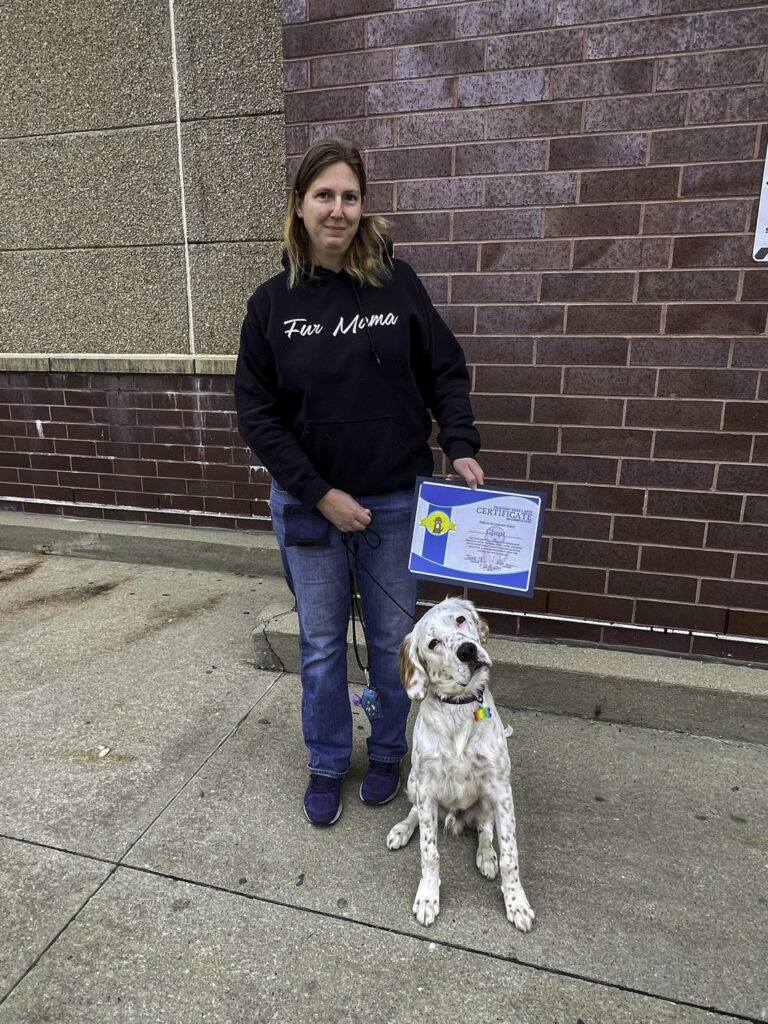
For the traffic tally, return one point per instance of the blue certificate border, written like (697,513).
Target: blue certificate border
(443,496)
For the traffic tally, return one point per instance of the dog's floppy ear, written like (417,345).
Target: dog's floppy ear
(411,670)
(480,624)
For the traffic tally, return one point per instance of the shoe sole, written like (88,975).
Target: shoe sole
(380,803)
(324,824)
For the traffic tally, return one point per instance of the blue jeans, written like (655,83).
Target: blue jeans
(318,575)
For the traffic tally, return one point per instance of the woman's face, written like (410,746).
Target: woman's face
(331,210)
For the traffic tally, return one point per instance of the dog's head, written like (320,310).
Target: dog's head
(445,652)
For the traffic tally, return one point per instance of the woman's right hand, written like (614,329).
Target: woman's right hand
(343,511)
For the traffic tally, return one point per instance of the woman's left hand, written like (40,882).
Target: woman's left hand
(343,511)
(469,471)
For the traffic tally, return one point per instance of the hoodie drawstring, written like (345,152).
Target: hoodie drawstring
(374,352)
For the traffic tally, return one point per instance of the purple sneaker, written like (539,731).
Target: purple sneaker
(322,800)
(382,783)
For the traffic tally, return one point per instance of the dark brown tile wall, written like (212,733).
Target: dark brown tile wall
(629,539)
(577,185)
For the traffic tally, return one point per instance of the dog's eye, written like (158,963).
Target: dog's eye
(433,643)
(461,619)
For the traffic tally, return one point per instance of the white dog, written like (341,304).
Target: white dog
(459,757)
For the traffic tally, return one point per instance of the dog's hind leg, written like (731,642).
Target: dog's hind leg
(400,834)
(518,908)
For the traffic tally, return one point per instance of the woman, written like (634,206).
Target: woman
(342,357)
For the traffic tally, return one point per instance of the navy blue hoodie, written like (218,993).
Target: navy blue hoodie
(335,382)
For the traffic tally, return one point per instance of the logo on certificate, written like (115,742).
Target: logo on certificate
(437,523)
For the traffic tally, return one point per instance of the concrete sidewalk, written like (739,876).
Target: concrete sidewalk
(155,864)
(715,698)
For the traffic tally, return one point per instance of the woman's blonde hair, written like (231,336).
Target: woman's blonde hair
(367,260)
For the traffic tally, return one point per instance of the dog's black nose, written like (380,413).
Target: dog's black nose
(466,652)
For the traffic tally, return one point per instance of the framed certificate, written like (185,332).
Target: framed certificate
(485,538)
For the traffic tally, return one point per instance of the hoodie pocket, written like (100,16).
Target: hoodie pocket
(359,456)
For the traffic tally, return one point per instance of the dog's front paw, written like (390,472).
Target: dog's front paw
(487,862)
(426,906)
(398,836)
(519,911)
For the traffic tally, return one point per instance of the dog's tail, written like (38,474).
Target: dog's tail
(454,822)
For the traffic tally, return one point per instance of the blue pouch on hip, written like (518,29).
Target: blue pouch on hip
(305,527)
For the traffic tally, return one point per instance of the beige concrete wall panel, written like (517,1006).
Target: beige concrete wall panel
(82,64)
(230,63)
(223,279)
(95,188)
(234,172)
(98,300)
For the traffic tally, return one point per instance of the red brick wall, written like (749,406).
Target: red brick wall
(164,449)
(143,448)
(577,182)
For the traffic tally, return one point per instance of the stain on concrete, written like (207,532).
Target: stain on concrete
(72,595)
(164,616)
(19,572)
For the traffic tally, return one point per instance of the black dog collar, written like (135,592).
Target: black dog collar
(459,700)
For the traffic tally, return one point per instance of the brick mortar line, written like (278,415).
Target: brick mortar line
(584,26)
(435,75)
(119,477)
(550,171)
(308,58)
(559,238)
(576,139)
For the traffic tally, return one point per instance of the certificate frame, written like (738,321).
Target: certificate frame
(488,538)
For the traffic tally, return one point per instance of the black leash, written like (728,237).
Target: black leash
(355,566)
(369,701)
(355,599)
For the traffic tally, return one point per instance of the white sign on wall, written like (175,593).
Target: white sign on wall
(760,248)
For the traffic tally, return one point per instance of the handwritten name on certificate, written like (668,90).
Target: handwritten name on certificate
(486,538)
